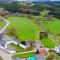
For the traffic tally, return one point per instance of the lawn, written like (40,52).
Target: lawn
(17,48)
(26,55)
(26,28)
(48,43)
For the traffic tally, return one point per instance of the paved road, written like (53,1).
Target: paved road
(4,28)
(5,55)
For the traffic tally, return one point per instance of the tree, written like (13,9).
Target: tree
(11,7)
(13,32)
(43,35)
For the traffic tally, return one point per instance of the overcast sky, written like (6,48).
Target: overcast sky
(31,0)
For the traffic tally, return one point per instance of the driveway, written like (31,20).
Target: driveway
(5,55)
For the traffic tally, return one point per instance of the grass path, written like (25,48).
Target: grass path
(26,52)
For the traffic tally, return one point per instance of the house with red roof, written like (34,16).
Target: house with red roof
(42,51)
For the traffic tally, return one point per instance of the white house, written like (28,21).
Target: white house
(57,49)
(23,46)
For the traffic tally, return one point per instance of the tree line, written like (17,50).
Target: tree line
(20,8)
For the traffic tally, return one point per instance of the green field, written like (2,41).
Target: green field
(26,29)
(53,25)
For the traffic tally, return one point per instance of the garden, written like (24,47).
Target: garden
(25,55)
(19,49)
